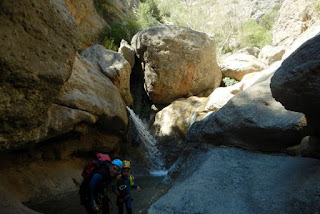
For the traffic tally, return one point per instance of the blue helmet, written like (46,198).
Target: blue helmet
(117,162)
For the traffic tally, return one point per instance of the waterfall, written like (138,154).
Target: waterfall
(150,145)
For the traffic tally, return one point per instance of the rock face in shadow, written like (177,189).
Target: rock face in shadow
(178,62)
(36,57)
(56,109)
(10,205)
(234,181)
(296,83)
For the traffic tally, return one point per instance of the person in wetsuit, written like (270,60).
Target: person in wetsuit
(121,187)
(106,173)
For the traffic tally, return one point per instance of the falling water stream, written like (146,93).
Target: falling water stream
(150,145)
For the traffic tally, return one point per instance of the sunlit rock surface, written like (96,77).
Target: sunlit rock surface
(270,54)
(178,62)
(171,125)
(295,17)
(93,94)
(127,52)
(239,64)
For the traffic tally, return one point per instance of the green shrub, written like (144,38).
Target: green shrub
(259,33)
(108,43)
(229,33)
(228,81)
(148,14)
(105,8)
(227,28)
(267,20)
(317,5)
(119,30)
(253,34)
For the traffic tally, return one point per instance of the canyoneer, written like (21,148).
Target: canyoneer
(93,188)
(121,187)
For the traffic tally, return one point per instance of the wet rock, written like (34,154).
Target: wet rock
(310,147)
(11,205)
(231,181)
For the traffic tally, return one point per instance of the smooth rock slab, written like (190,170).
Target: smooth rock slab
(235,181)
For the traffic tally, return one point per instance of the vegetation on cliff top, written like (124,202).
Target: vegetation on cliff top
(229,31)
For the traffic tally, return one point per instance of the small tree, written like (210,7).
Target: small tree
(148,14)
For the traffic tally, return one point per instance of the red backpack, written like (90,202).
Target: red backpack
(95,163)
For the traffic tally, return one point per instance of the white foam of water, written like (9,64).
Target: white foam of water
(148,141)
(159,173)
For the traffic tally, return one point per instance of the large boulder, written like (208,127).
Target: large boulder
(296,82)
(254,51)
(270,54)
(94,98)
(172,122)
(253,120)
(127,52)
(220,96)
(239,64)
(171,125)
(114,66)
(36,57)
(178,62)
